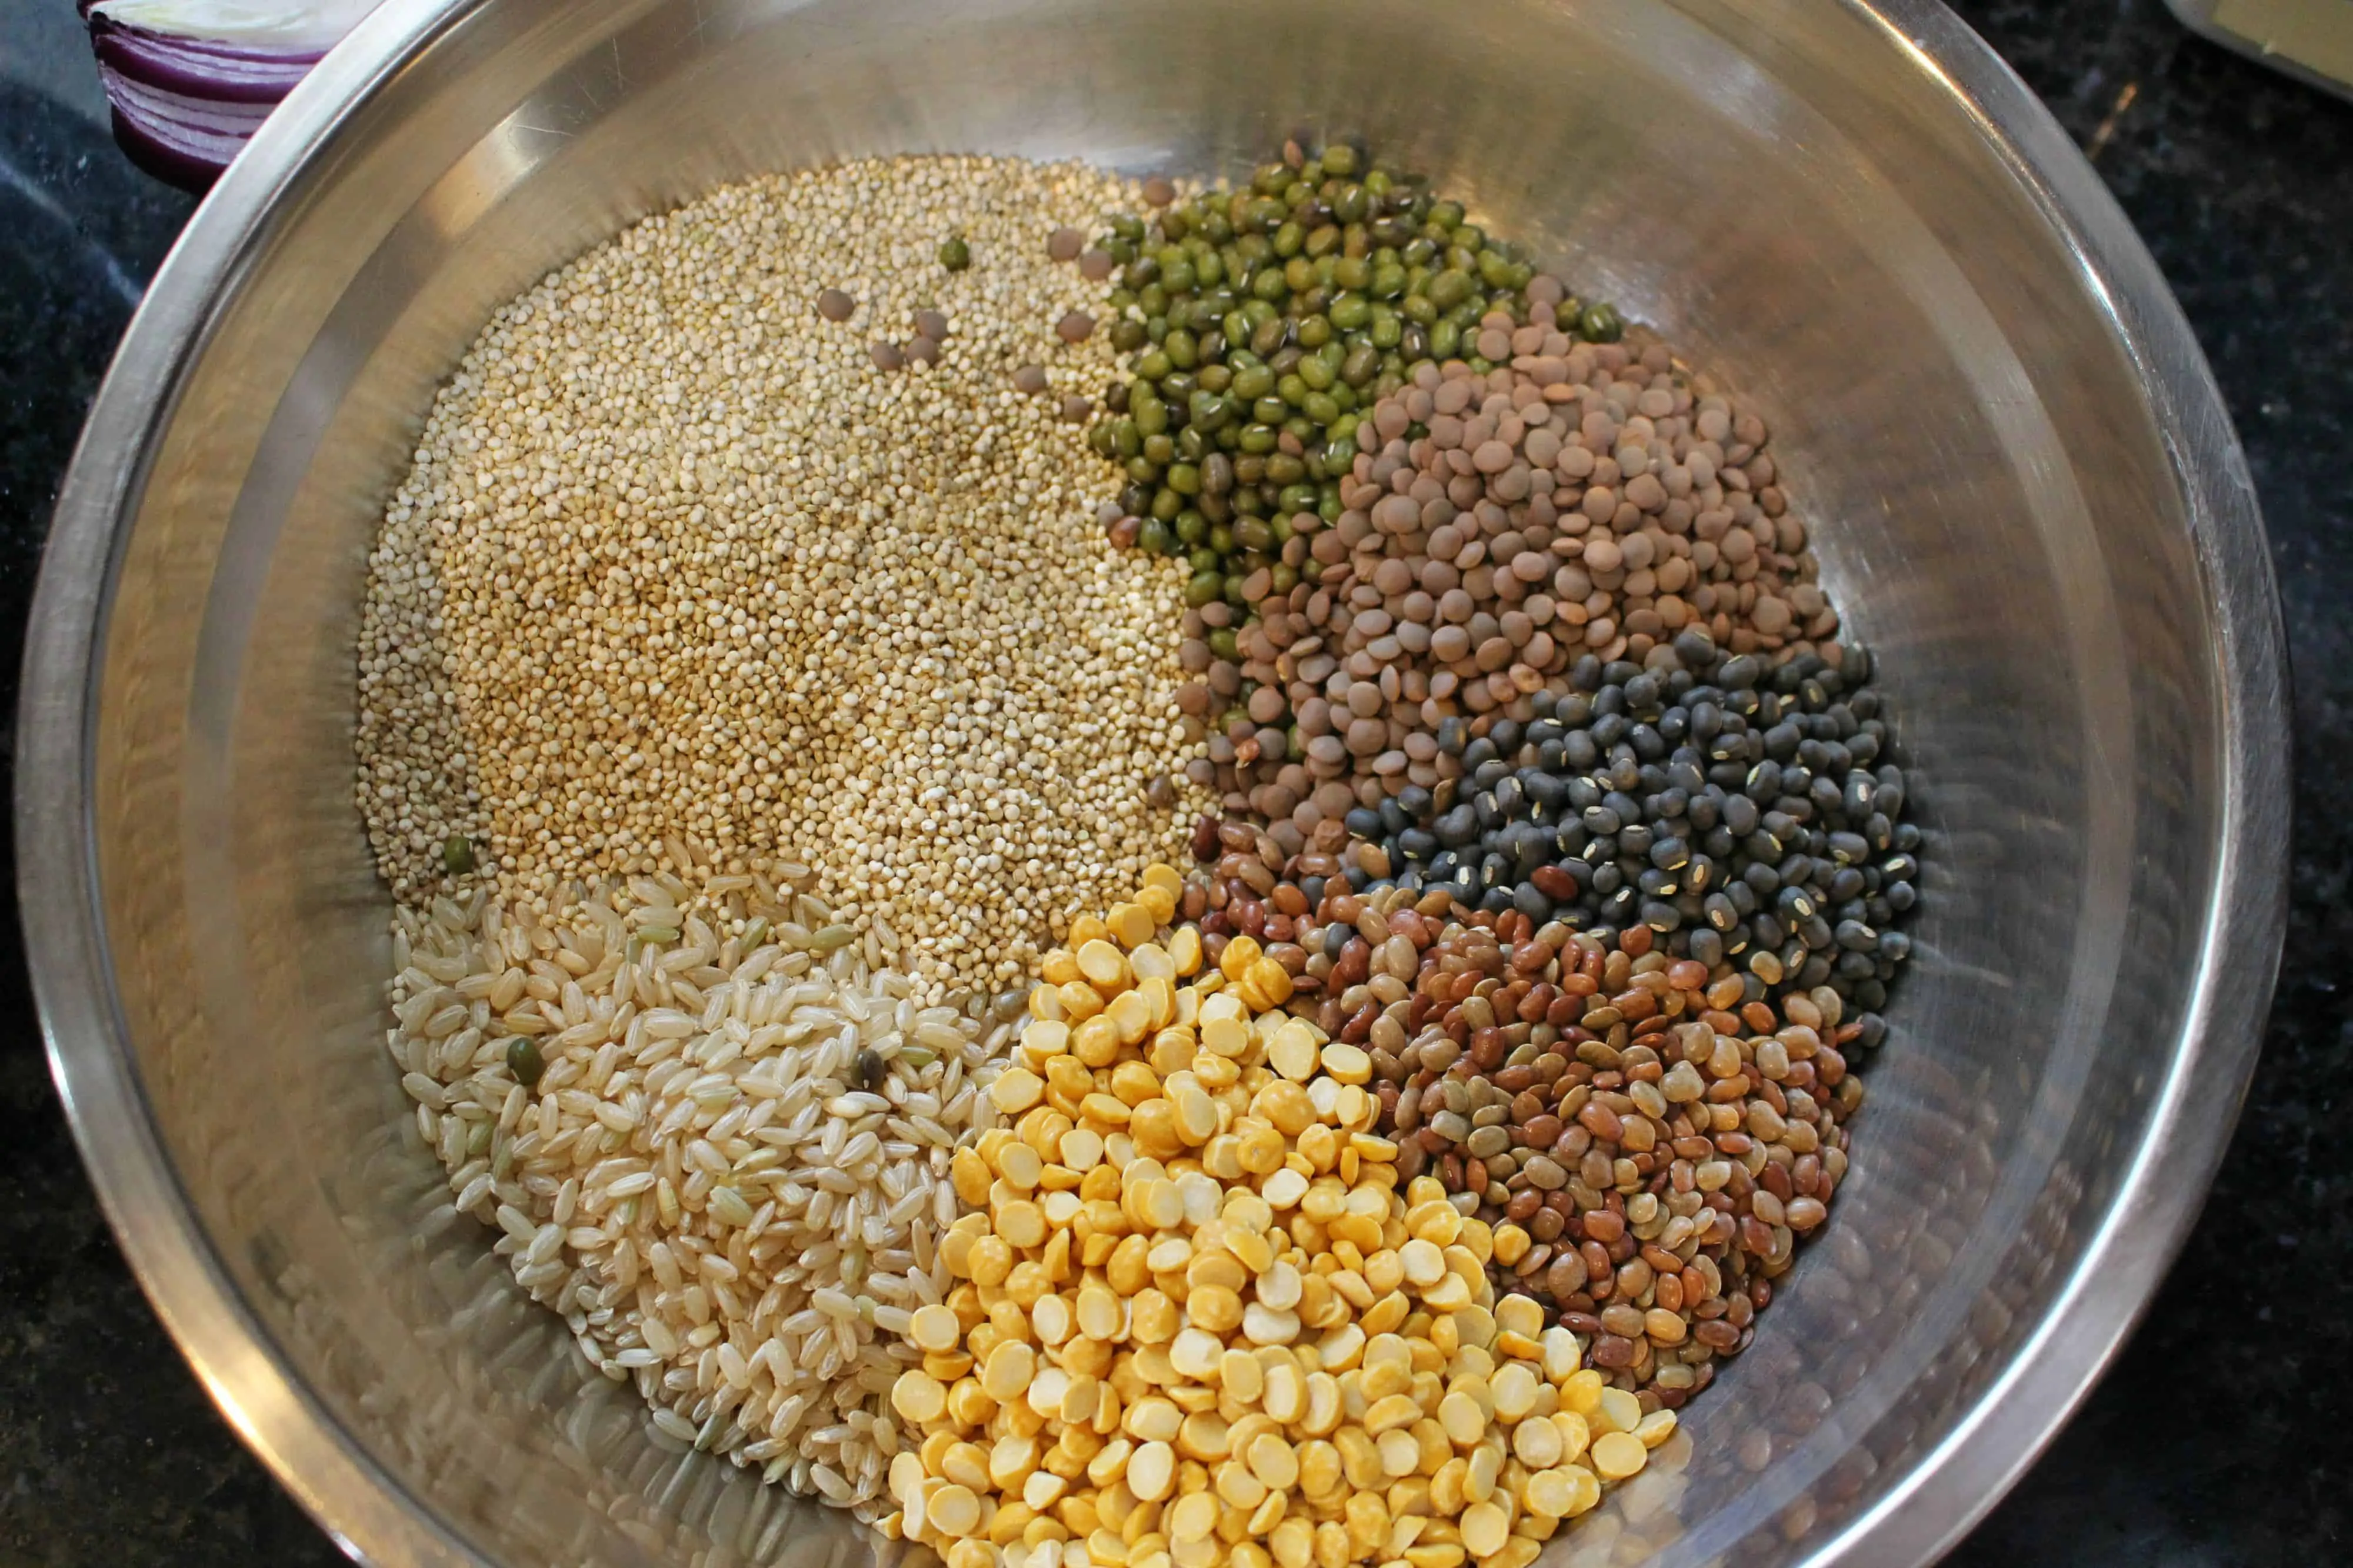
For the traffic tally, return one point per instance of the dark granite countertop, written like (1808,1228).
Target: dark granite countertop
(2224,1435)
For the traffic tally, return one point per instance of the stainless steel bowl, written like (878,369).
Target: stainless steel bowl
(2028,500)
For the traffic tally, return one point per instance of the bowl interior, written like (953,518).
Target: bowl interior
(1786,189)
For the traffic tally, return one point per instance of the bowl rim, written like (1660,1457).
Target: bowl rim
(373,1516)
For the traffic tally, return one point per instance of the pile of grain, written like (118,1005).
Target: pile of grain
(727,670)
(683,580)
(727,1168)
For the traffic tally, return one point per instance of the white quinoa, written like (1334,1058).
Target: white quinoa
(682,581)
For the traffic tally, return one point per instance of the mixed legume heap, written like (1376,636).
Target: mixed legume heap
(818,622)
(1220,1317)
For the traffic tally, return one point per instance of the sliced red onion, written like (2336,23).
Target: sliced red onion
(190,80)
(197,68)
(195,137)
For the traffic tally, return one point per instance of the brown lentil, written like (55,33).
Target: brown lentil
(1582,498)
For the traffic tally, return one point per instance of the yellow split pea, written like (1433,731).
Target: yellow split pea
(1196,1321)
